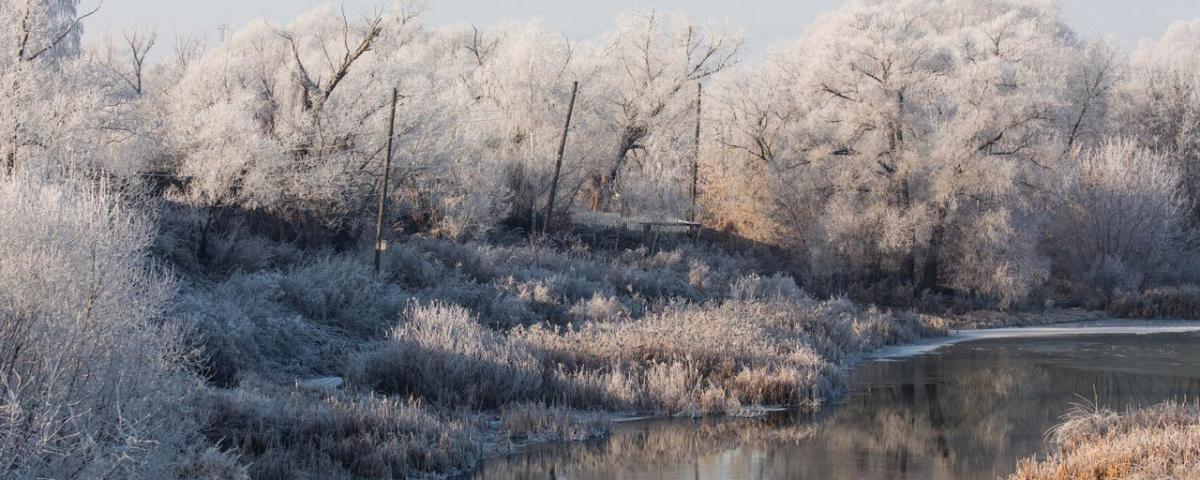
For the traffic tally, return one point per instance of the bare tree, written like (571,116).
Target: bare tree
(357,40)
(128,60)
(45,27)
(1097,73)
(647,62)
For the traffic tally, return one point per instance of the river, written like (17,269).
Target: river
(967,408)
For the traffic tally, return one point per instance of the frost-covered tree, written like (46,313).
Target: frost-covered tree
(127,58)
(646,74)
(43,29)
(58,115)
(291,121)
(1159,101)
(905,126)
(516,86)
(1093,76)
(756,179)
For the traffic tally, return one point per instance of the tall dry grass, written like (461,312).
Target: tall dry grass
(779,348)
(1178,302)
(443,354)
(286,434)
(1159,442)
(690,359)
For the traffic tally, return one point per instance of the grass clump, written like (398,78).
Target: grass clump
(537,422)
(695,359)
(338,435)
(441,353)
(1180,302)
(1158,442)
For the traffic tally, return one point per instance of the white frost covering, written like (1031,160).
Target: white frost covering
(1106,327)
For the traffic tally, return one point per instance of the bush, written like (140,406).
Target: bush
(343,293)
(754,287)
(1181,303)
(92,379)
(440,353)
(599,308)
(338,436)
(243,324)
(1120,220)
(238,251)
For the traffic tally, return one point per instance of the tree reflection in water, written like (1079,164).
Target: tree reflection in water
(969,411)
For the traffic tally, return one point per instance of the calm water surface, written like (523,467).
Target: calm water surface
(968,411)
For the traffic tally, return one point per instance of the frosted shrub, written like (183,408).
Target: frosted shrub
(91,378)
(699,276)
(1181,302)
(441,353)
(298,435)
(754,287)
(1000,260)
(342,292)
(242,325)
(1120,219)
(470,260)
(491,304)
(599,308)
(411,267)
(240,251)
(212,464)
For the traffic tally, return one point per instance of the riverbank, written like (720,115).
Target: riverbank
(966,412)
(1059,324)
(472,349)
(466,349)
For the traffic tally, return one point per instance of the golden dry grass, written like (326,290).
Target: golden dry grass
(1160,442)
(1181,302)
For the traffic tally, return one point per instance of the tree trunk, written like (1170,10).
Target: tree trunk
(202,244)
(929,274)
(10,162)
(604,186)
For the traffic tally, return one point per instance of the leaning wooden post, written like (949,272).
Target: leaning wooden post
(387,170)
(562,147)
(696,155)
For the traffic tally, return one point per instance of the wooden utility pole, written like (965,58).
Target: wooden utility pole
(562,147)
(696,154)
(383,195)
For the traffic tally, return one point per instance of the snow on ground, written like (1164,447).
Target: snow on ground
(1098,327)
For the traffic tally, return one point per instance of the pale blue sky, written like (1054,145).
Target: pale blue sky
(764,21)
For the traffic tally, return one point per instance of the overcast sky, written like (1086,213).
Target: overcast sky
(764,21)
